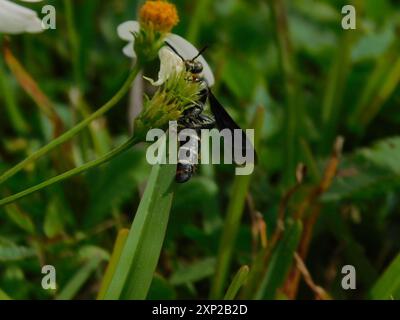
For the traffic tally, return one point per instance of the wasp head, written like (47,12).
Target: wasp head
(194,67)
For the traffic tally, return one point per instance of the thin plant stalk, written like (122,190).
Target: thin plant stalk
(73,172)
(232,221)
(288,66)
(75,130)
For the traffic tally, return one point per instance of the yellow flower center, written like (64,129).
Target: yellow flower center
(159,15)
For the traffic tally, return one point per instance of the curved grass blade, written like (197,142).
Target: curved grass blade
(281,261)
(4,296)
(79,279)
(233,217)
(388,285)
(138,261)
(237,282)
(112,265)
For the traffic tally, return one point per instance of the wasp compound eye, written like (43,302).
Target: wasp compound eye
(197,67)
(194,67)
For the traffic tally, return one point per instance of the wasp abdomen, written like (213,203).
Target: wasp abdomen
(187,158)
(184,172)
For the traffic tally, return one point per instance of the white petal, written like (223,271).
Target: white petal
(170,64)
(17,19)
(127,29)
(15,9)
(189,51)
(34,26)
(128,50)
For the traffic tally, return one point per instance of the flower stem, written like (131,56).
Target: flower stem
(73,172)
(75,130)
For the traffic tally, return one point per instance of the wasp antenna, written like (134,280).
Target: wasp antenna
(174,50)
(200,52)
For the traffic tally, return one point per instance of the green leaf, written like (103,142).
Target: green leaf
(373,45)
(142,249)
(309,36)
(371,171)
(281,261)
(363,182)
(385,154)
(21,219)
(16,253)
(55,218)
(237,282)
(388,285)
(317,11)
(194,272)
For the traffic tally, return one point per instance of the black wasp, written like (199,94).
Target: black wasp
(194,118)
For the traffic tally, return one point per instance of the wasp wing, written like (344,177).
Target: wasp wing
(224,121)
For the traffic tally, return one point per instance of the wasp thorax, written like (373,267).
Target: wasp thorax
(194,67)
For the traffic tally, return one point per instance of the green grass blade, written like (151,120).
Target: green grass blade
(232,221)
(281,261)
(387,286)
(288,66)
(112,264)
(20,218)
(79,279)
(140,255)
(336,86)
(200,12)
(379,87)
(10,104)
(237,282)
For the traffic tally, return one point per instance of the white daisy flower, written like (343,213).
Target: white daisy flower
(169,61)
(18,19)
(170,64)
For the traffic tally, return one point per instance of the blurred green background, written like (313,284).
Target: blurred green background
(313,81)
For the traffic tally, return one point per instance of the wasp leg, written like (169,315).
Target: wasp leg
(193,112)
(202,122)
(208,122)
